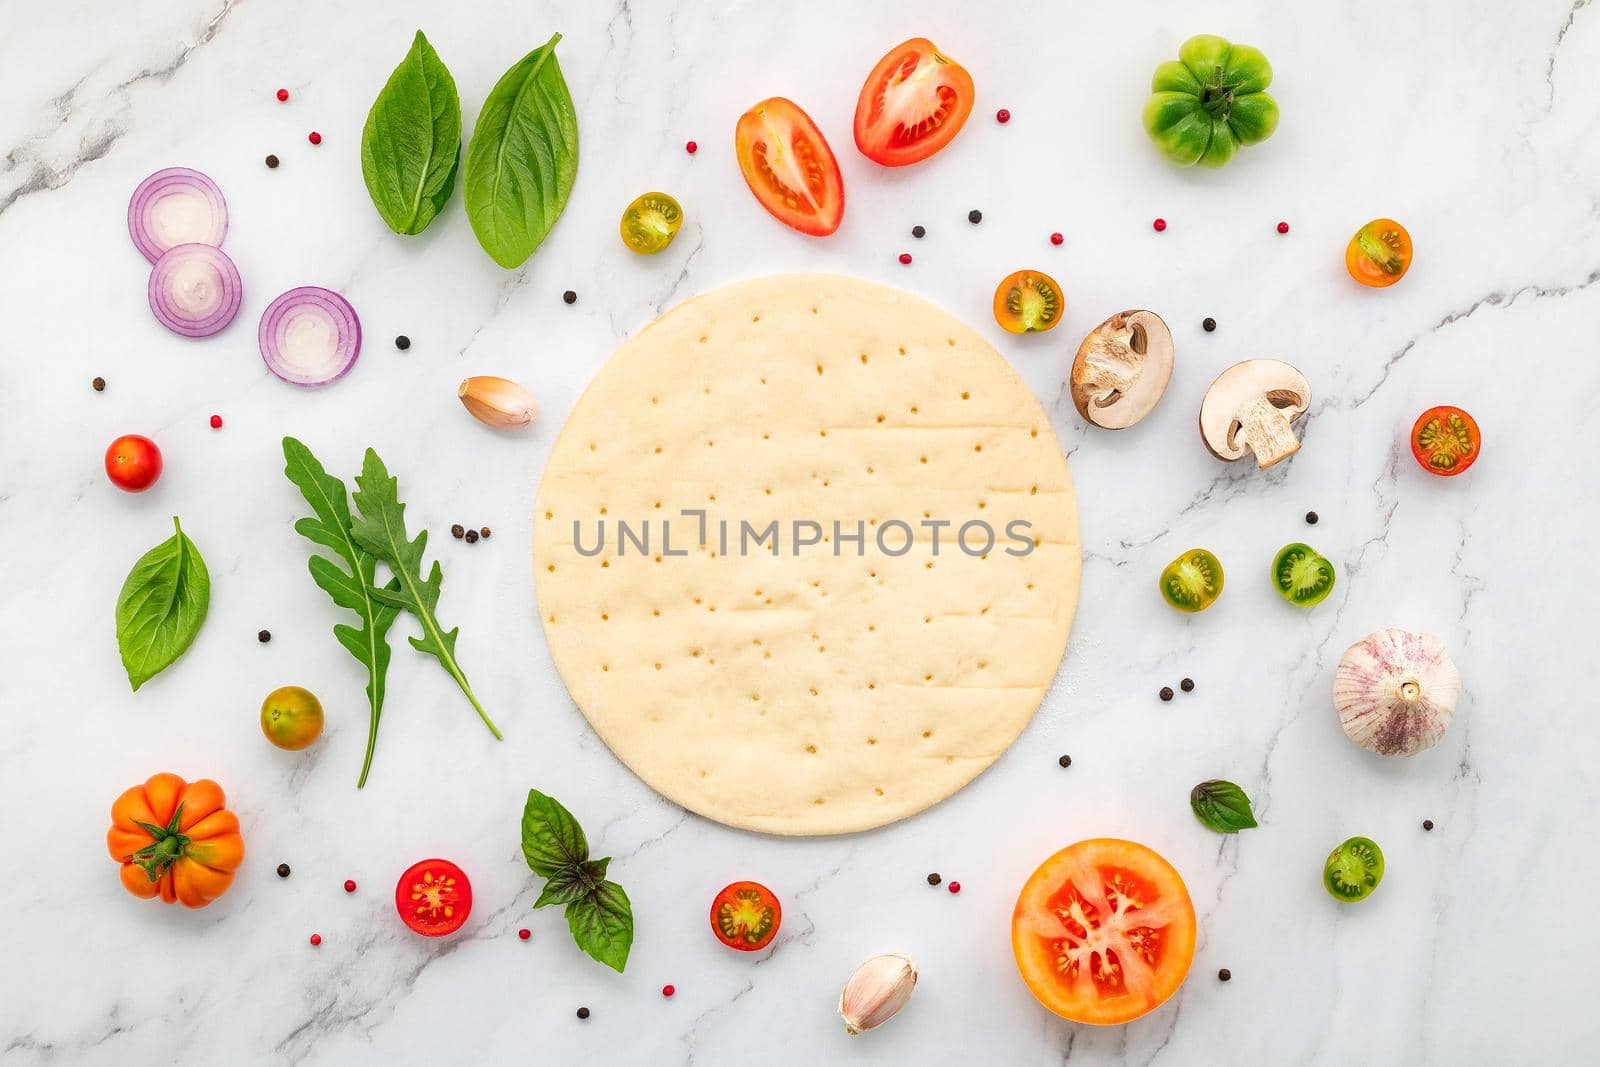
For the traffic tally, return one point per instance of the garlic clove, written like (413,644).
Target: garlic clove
(877,990)
(1396,691)
(497,402)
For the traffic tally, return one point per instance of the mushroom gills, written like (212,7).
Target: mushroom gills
(1122,369)
(1249,408)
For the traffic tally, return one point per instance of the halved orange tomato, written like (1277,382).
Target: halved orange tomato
(913,104)
(1028,301)
(1445,440)
(788,165)
(1379,254)
(1103,931)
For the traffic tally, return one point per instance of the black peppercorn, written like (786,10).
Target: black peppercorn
(918,232)
(484,532)
(1209,325)
(974,216)
(934,879)
(457,531)
(1166,692)
(1187,685)
(99,385)
(283,870)
(472,537)
(402,342)
(1224,975)
(1427,824)
(1311,518)
(583,1013)
(272,162)
(1065,761)
(264,636)
(570,297)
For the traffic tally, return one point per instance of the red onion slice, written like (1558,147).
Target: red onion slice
(310,336)
(176,206)
(195,290)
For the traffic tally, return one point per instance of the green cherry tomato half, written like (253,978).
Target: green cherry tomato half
(1353,870)
(1301,575)
(650,223)
(1193,581)
(1210,102)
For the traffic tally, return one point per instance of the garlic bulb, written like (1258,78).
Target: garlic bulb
(1395,691)
(497,402)
(877,990)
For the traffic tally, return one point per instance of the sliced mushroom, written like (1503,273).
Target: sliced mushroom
(1122,369)
(1249,408)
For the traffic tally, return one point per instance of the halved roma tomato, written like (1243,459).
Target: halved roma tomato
(1103,931)
(788,165)
(1379,254)
(913,104)
(433,898)
(1028,301)
(746,916)
(1445,440)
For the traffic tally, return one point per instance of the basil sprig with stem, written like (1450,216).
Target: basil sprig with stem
(161,606)
(411,144)
(1221,806)
(597,909)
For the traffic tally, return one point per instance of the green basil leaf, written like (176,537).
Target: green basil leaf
(573,883)
(411,145)
(1221,806)
(161,606)
(552,840)
(523,158)
(602,925)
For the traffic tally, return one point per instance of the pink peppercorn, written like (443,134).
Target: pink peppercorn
(314,137)
(1056,238)
(283,94)
(1159,224)
(1002,116)
(905,257)
(1283,227)
(316,939)
(216,422)
(691,148)
(668,990)
(955,887)
(349,885)
(524,933)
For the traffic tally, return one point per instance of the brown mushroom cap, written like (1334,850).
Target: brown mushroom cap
(1249,408)
(1122,369)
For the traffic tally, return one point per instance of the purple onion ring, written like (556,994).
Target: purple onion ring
(310,336)
(195,290)
(176,206)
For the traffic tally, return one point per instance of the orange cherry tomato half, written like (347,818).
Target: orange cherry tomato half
(133,463)
(788,165)
(1029,301)
(433,898)
(1103,931)
(1379,254)
(746,916)
(914,103)
(1445,440)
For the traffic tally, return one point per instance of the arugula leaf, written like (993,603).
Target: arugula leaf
(352,589)
(1221,806)
(523,158)
(597,909)
(381,530)
(161,606)
(411,144)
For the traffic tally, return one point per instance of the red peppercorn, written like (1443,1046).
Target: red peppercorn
(349,885)
(1002,116)
(283,94)
(691,148)
(314,137)
(955,887)
(1159,224)
(316,939)
(668,990)
(905,257)
(1056,238)
(1283,227)
(524,933)
(216,422)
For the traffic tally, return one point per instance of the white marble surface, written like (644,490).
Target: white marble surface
(1474,122)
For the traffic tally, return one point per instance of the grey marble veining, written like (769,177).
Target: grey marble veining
(1473,122)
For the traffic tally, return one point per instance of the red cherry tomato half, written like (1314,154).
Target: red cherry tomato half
(746,916)
(788,165)
(914,103)
(133,463)
(433,898)
(1445,440)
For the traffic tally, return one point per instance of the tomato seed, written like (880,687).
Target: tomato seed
(264,636)
(570,297)
(955,887)
(583,1013)
(99,385)
(1224,975)
(272,162)
(283,94)
(691,148)
(1427,824)
(402,342)
(283,868)
(1209,325)
(668,990)
(316,939)
(1056,238)
(1187,685)
(934,879)
(1283,227)
(1002,116)
(1160,225)
(524,933)
(216,422)
(1166,692)
(314,137)
(1311,518)
(1065,761)
(905,257)
(349,885)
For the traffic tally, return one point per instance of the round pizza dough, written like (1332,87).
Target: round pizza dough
(840,685)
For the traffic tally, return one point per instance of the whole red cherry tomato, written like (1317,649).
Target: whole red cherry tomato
(133,463)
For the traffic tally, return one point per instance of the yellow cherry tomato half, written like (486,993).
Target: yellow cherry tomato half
(650,223)
(291,717)
(1028,301)
(1379,254)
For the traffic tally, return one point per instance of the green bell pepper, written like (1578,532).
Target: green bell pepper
(1209,101)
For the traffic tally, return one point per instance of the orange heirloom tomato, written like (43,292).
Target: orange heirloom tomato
(1103,931)
(175,840)
(1028,301)
(1379,254)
